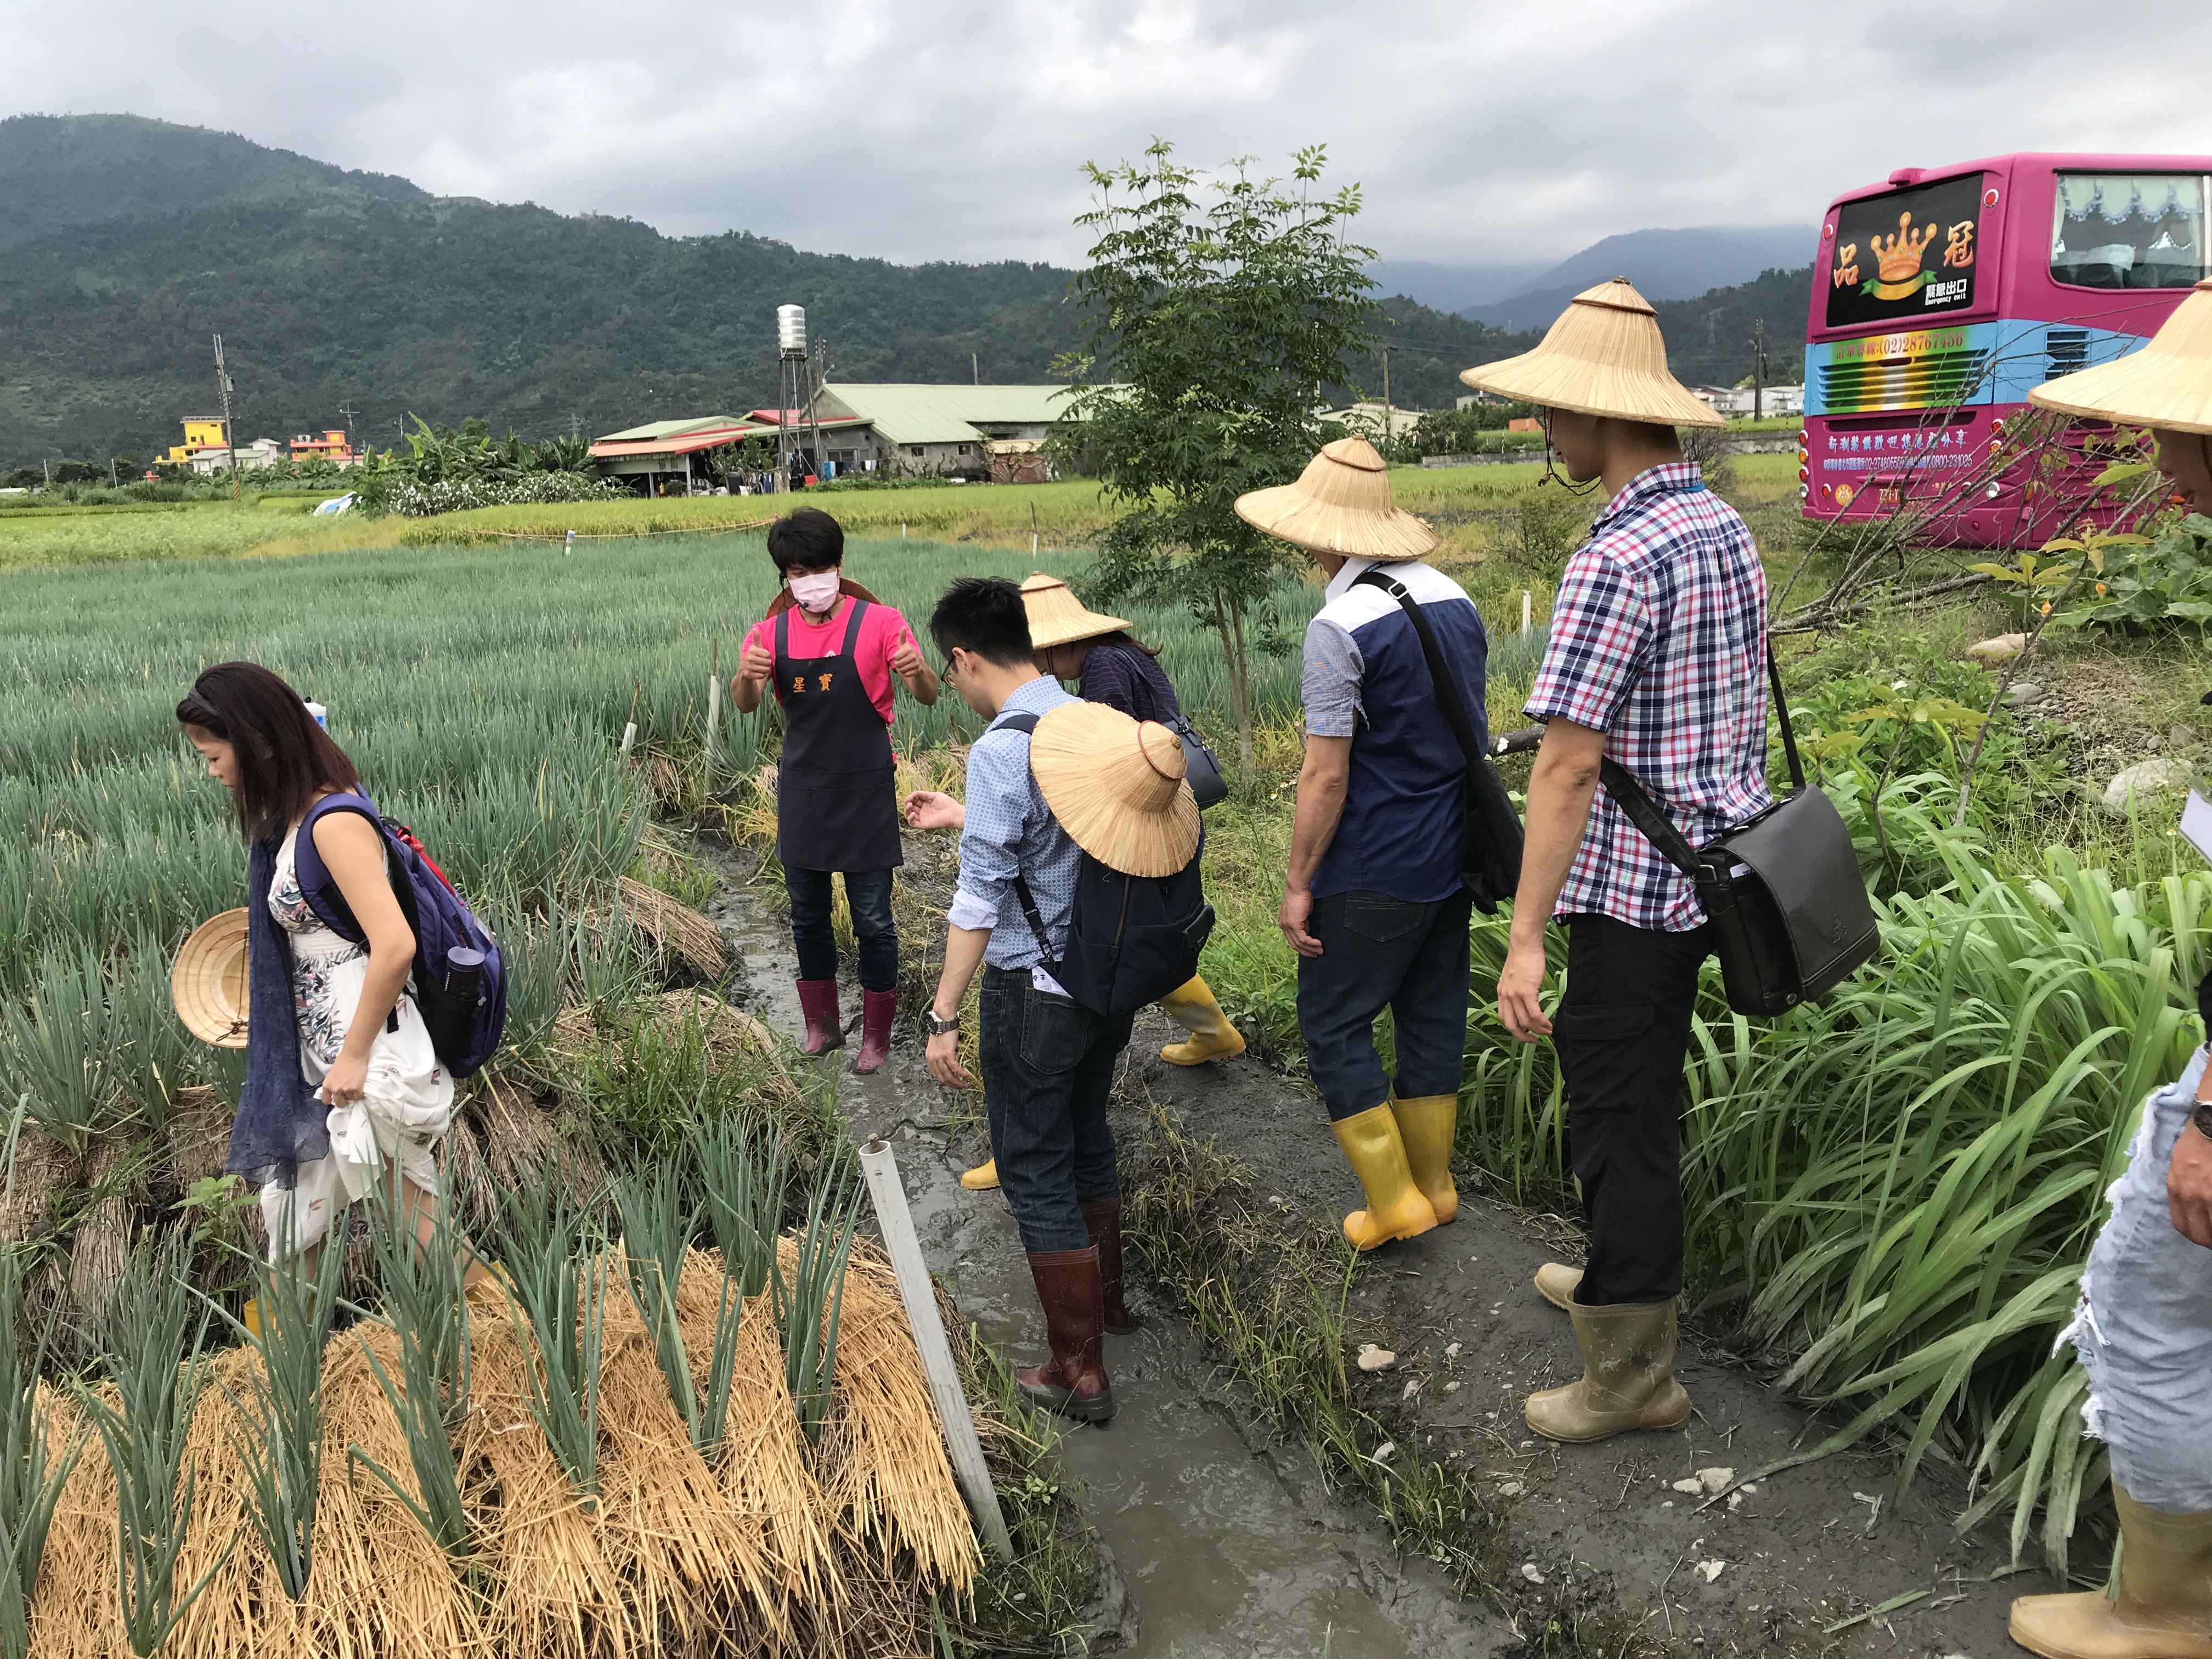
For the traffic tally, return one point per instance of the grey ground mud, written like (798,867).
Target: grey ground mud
(1222,1542)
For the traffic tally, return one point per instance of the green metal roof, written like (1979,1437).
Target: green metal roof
(943,414)
(670,429)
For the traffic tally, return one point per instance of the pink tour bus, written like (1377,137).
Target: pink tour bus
(1941,297)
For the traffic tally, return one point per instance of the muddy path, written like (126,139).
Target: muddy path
(1221,1540)
(1774,1567)
(1212,1547)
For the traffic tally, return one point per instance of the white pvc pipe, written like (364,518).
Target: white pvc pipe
(881,1170)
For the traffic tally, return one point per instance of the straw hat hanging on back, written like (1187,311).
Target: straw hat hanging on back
(1603,356)
(1117,787)
(1340,504)
(1057,616)
(208,981)
(2168,383)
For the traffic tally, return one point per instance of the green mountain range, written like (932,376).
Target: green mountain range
(126,244)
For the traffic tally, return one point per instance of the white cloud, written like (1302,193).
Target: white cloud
(1481,131)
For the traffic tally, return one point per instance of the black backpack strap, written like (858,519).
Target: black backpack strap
(1447,696)
(1027,726)
(1658,828)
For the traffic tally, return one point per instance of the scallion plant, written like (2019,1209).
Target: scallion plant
(31,1473)
(560,1285)
(807,1303)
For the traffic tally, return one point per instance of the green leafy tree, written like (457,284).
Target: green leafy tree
(1219,312)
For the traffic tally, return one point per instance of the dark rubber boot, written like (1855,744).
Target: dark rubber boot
(1103,1216)
(1073,1382)
(877,1008)
(825,1028)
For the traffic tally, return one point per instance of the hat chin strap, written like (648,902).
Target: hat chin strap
(1561,478)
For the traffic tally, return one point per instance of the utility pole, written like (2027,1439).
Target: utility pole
(229,437)
(976,368)
(348,415)
(575,425)
(1758,369)
(1387,434)
(111,473)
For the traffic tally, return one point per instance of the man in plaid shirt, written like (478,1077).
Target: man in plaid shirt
(1655,658)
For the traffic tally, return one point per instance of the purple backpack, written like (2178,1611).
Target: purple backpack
(459,982)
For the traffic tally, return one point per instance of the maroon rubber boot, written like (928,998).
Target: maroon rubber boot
(877,1008)
(825,1028)
(1073,1381)
(1103,1216)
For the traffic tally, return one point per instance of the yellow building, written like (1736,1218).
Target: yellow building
(199,433)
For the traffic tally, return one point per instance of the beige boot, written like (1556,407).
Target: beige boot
(1556,1282)
(1426,1124)
(1628,1377)
(983,1178)
(1192,1006)
(2163,1611)
(1395,1208)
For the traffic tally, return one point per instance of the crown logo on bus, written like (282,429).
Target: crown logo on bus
(1898,257)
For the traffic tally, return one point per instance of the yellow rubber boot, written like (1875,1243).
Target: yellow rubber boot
(250,1316)
(1426,1124)
(1628,1377)
(983,1178)
(1395,1208)
(1192,1006)
(2163,1611)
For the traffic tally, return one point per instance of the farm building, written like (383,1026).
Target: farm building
(929,431)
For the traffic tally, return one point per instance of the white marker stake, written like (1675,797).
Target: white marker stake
(1524,610)
(713,708)
(1033,544)
(630,736)
(881,1170)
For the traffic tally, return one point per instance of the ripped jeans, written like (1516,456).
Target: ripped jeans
(2143,1328)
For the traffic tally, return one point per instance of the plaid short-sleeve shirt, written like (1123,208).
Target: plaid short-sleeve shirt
(1658,640)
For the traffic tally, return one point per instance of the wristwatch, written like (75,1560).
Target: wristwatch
(2201,1117)
(936,1027)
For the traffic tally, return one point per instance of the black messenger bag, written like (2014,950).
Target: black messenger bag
(1791,916)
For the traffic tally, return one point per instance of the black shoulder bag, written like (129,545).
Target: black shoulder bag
(1490,859)
(1788,907)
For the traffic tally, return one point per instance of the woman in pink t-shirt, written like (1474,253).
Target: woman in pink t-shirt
(829,647)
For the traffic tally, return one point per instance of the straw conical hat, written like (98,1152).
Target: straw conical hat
(1057,616)
(2167,383)
(208,983)
(1603,356)
(1116,788)
(1340,504)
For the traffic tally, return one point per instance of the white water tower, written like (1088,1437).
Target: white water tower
(791,329)
(794,400)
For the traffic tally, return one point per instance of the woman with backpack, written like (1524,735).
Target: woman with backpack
(341,1073)
(1071,642)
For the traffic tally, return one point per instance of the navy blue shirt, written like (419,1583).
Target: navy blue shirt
(1365,677)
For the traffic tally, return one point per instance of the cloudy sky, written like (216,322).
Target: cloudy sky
(1480,131)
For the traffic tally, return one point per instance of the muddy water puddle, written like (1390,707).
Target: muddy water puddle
(1219,1550)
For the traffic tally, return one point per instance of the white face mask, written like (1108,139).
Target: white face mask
(815,594)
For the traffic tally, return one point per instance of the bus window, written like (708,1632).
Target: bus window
(1908,254)
(2128,230)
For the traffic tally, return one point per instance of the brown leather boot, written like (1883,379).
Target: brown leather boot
(1074,1381)
(825,1028)
(1103,1216)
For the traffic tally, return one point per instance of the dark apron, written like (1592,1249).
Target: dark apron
(837,791)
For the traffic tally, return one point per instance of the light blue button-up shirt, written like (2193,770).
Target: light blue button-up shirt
(1010,830)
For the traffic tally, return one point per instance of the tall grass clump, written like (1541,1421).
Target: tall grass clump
(1898,1186)
(657,1224)
(281,1446)
(31,1470)
(157,1346)
(560,1286)
(426,1309)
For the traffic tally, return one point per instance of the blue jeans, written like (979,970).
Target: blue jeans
(1048,1065)
(1379,952)
(869,894)
(2143,1328)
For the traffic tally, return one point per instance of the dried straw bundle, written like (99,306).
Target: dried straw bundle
(882,1459)
(465,1177)
(763,1471)
(523,1143)
(43,1167)
(692,1570)
(675,928)
(198,1134)
(558,1595)
(102,1241)
(76,1613)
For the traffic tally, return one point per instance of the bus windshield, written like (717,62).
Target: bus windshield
(1908,254)
(2128,230)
